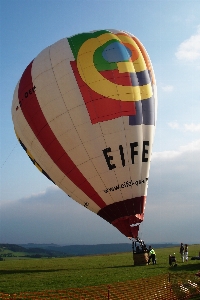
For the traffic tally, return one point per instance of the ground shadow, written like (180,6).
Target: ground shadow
(9,272)
(185,267)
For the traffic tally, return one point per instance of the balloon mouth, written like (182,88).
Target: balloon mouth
(117,215)
(129,225)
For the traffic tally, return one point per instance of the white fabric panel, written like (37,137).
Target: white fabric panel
(62,71)
(62,123)
(88,170)
(69,139)
(113,126)
(72,97)
(110,179)
(148,135)
(43,65)
(94,148)
(78,155)
(46,87)
(112,196)
(81,198)
(108,197)
(79,115)
(60,51)
(144,188)
(113,140)
(67,84)
(97,181)
(66,182)
(123,175)
(148,132)
(53,113)
(135,171)
(36,149)
(24,131)
(44,160)
(88,132)
(100,164)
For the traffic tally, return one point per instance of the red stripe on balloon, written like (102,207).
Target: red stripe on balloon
(38,123)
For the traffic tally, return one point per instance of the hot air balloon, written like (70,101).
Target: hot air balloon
(84,111)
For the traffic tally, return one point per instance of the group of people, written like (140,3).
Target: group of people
(184,252)
(152,254)
(143,249)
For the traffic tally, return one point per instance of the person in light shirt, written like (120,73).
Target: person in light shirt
(186,252)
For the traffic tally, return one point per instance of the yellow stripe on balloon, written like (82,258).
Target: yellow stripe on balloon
(38,166)
(100,84)
(125,67)
(29,154)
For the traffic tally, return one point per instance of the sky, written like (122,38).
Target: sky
(32,208)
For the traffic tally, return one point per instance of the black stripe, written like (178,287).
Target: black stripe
(140,78)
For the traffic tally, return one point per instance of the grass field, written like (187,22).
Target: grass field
(61,273)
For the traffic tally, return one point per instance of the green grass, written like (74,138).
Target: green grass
(61,273)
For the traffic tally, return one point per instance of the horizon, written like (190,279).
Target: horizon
(49,244)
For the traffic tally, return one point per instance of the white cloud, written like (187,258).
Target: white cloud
(192,127)
(189,50)
(167,88)
(185,127)
(188,148)
(174,125)
(193,146)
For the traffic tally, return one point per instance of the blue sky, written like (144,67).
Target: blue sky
(32,209)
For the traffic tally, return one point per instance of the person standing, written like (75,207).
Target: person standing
(152,255)
(182,252)
(186,252)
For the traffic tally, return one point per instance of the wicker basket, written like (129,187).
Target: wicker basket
(140,259)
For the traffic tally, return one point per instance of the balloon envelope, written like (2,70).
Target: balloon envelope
(84,110)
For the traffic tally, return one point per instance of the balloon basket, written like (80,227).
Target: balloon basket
(140,259)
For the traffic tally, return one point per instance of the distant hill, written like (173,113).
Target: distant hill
(52,250)
(80,250)
(13,250)
(74,250)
